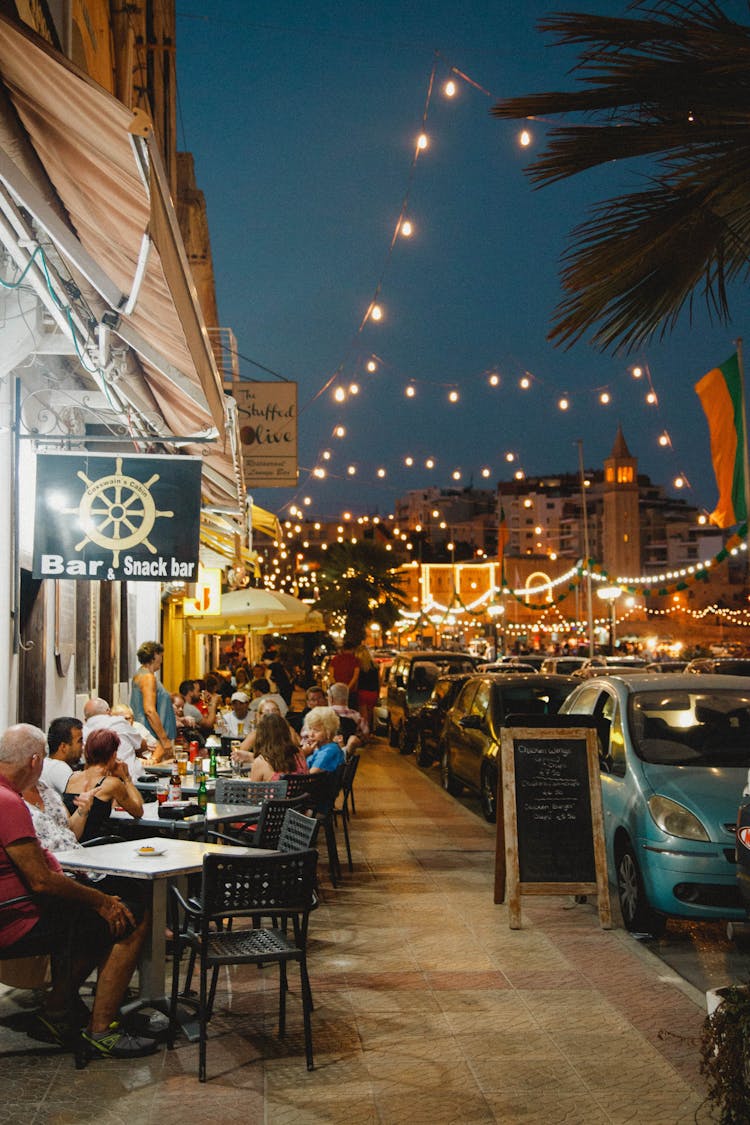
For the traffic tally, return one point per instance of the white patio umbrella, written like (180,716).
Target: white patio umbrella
(259,611)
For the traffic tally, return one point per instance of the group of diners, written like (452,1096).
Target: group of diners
(56,793)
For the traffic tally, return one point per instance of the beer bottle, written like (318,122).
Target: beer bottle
(202,797)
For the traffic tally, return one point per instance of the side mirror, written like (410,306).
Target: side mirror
(470,722)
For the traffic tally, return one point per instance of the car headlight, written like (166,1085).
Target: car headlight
(676,820)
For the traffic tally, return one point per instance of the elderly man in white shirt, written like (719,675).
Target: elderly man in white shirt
(97,716)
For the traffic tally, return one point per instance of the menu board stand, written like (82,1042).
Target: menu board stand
(550,830)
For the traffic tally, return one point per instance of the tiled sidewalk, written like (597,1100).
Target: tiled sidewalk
(428,1007)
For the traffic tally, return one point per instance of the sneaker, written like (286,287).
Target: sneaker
(115,1043)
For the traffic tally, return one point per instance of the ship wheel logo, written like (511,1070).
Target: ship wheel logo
(117,512)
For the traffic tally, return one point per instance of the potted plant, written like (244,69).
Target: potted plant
(725,1054)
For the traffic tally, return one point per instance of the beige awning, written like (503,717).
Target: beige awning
(259,611)
(123,236)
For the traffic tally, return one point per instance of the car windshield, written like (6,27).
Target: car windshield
(531,699)
(691,728)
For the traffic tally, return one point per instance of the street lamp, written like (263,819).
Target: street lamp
(496,611)
(610,594)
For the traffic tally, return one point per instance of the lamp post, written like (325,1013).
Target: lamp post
(610,594)
(496,612)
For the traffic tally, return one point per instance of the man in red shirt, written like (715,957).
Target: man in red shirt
(107,933)
(345,667)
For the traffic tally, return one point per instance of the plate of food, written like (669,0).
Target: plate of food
(147,850)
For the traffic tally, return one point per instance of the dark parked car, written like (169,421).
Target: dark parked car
(470,743)
(432,716)
(411,679)
(719,666)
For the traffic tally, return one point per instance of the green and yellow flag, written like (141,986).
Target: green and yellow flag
(720,392)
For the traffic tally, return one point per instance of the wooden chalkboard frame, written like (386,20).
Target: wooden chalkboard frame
(507,859)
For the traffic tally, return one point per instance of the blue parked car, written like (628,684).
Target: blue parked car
(674,752)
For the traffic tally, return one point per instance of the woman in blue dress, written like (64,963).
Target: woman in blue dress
(151,702)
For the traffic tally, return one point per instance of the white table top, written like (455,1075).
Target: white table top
(177,857)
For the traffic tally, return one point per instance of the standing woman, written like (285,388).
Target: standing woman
(368,684)
(151,702)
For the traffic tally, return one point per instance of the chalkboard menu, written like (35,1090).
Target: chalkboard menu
(550,832)
(553,811)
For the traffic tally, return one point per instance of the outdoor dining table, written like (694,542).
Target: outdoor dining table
(170,860)
(191,827)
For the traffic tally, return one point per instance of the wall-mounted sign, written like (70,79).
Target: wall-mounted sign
(207,596)
(109,518)
(268,433)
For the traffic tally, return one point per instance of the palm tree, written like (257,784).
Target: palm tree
(670,85)
(359,581)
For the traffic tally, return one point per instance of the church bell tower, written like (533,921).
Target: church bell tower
(621,530)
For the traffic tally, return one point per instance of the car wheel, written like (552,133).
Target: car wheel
(424,756)
(636,912)
(392,734)
(488,793)
(446,775)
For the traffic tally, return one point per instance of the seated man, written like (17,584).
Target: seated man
(353,728)
(261,689)
(314,697)
(107,933)
(65,748)
(97,716)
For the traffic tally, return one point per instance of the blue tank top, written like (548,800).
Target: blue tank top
(164,709)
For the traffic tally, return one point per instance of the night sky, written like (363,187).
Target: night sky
(303,119)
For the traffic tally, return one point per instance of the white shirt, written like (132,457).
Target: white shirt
(238,728)
(130,740)
(56,774)
(274,695)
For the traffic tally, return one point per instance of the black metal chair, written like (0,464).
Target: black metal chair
(264,834)
(322,790)
(342,811)
(75,1042)
(238,791)
(298,832)
(278,887)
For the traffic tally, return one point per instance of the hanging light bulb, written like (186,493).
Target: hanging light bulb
(429,463)
(637,372)
(524,382)
(371,365)
(406,230)
(408,461)
(326,455)
(524,138)
(376,312)
(486,472)
(340,431)
(494,379)
(319,473)
(339,394)
(564,403)
(510,458)
(651,398)
(354,388)
(679,482)
(381,472)
(307,500)
(351,470)
(453,396)
(456,474)
(519,474)
(449,89)
(422,141)
(604,398)
(410,391)
(664,439)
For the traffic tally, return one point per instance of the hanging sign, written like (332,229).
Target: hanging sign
(207,597)
(268,432)
(108,518)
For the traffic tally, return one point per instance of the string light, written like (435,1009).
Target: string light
(524,382)
(564,403)
(456,474)
(376,313)
(664,439)
(422,141)
(339,432)
(326,455)
(406,230)
(339,394)
(604,398)
(351,470)
(525,138)
(510,458)
(449,89)
(486,472)
(651,398)
(408,461)
(410,391)
(453,396)
(429,463)
(637,372)
(354,388)
(371,366)
(679,482)
(494,379)
(381,473)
